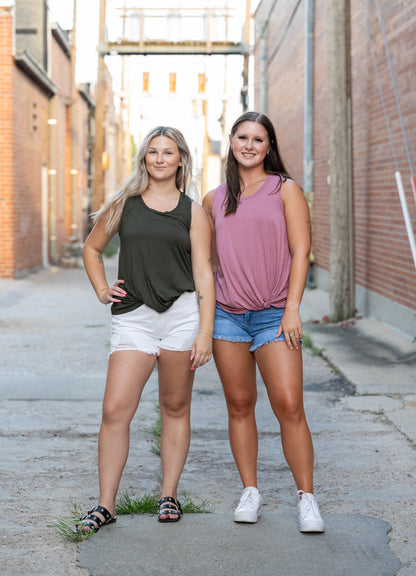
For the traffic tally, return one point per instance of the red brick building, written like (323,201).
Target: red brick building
(385,273)
(43,196)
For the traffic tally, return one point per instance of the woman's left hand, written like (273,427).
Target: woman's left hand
(201,350)
(291,327)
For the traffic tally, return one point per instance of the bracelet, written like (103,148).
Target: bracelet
(102,290)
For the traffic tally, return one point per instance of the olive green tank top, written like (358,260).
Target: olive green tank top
(155,255)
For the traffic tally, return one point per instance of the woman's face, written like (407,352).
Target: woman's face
(162,158)
(250,144)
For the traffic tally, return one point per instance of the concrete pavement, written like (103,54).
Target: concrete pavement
(360,402)
(378,360)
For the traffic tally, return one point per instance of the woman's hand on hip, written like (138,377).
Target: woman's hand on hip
(112,294)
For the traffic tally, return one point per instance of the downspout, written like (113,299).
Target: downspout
(308,122)
(74,239)
(263,67)
(52,173)
(45,38)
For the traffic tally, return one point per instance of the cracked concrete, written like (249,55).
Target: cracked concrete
(54,341)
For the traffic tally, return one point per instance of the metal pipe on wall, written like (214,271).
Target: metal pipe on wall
(246,38)
(74,143)
(308,122)
(52,188)
(308,99)
(413,183)
(406,216)
(263,67)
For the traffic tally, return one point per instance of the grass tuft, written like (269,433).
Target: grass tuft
(149,504)
(307,343)
(66,526)
(190,507)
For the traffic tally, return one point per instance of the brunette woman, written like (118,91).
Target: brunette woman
(262,243)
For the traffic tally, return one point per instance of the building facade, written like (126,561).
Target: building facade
(382,142)
(46,131)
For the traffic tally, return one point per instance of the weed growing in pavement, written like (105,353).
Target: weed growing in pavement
(66,526)
(308,344)
(149,504)
(190,507)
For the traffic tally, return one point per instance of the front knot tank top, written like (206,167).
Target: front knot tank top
(155,255)
(253,251)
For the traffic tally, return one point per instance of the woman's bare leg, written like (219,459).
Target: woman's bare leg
(237,370)
(128,372)
(175,393)
(282,373)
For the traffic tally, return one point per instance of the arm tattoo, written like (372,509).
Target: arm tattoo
(199,297)
(99,258)
(308,222)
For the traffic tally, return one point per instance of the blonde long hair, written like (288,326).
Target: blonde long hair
(139,180)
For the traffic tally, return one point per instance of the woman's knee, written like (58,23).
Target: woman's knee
(115,413)
(175,408)
(241,407)
(289,409)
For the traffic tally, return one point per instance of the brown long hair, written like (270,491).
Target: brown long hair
(273,164)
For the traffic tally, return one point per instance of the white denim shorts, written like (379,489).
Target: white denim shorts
(148,331)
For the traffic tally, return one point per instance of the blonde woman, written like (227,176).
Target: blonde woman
(163,306)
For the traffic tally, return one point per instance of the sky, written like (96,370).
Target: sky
(87,33)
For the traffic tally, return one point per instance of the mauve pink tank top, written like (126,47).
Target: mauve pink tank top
(253,252)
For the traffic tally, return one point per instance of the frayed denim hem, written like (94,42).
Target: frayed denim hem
(232,339)
(257,346)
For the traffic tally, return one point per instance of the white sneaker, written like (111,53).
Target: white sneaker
(249,506)
(310,519)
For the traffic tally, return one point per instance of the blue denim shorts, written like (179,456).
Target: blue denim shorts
(257,326)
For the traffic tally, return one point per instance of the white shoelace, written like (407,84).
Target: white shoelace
(247,498)
(308,506)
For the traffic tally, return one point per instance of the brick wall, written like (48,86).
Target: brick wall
(321,216)
(383,263)
(35,155)
(383,257)
(30,113)
(285,83)
(31,16)
(6,145)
